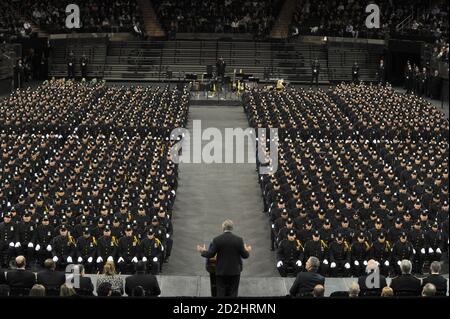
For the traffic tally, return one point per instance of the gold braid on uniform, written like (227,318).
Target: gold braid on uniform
(299,245)
(346,246)
(324,245)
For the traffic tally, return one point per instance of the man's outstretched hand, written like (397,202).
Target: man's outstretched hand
(248,248)
(201,249)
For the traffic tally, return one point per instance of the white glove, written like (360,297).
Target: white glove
(99,260)
(356,263)
(38,247)
(386,263)
(17,245)
(299,263)
(49,248)
(399,262)
(120,260)
(280,263)
(439,251)
(30,245)
(422,251)
(55,259)
(90,260)
(69,260)
(414,251)
(347,266)
(134,260)
(144,259)
(325,262)
(167,236)
(155,260)
(365,262)
(430,250)
(333,265)
(11,244)
(80,260)
(110,259)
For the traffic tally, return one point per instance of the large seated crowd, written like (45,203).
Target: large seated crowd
(86,175)
(234,16)
(363,174)
(50,15)
(347,18)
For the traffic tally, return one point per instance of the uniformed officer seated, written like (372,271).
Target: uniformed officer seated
(63,248)
(339,257)
(289,255)
(151,252)
(7,240)
(86,247)
(128,251)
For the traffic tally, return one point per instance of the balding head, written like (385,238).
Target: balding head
(372,265)
(20,262)
(429,290)
(319,291)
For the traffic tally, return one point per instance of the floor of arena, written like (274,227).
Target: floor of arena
(211,193)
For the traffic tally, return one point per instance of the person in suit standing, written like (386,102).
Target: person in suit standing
(51,279)
(315,71)
(147,281)
(20,277)
(382,73)
(230,250)
(355,73)
(373,282)
(306,281)
(436,279)
(406,284)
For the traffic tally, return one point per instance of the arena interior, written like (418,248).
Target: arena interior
(91,92)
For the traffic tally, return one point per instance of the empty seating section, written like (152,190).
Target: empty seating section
(172,60)
(341,60)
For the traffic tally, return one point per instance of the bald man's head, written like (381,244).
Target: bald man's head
(372,265)
(20,262)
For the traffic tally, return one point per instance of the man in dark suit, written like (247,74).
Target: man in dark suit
(146,281)
(436,279)
(373,282)
(406,284)
(230,250)
(51,279)
(306,281)
(20,278)
(85,286)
